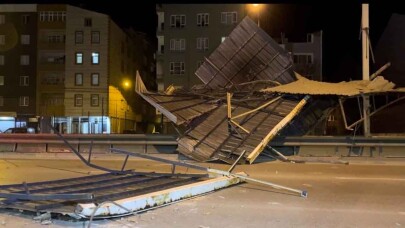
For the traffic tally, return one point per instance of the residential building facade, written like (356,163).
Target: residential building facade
(83,79)
(186,33)
(18,44)
(307,56)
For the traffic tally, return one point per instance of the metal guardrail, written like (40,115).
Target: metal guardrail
(170,140)
(358,141)
(83,141)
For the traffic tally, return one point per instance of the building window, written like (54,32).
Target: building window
(78,79)
(177,68)
(1,101)
(2,19)
(1,80)
(24,101)
(202,43)
(177,21)
(1,60)
(24,80)
(88,22)
(94,99)
(56,38)
(303,58)
(95,37)
(25,60)
(203,19)
(78,100)
(79,58)
(25,39)
(79,37)
(229,17)
(95,79)
(177,44)
(2,39)
(51,16)
(95,58)
(25,19)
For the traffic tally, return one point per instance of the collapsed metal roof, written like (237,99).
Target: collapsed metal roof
(247,54)
(351,88)
(237,129)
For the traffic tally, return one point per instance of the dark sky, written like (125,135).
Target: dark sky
(339,20)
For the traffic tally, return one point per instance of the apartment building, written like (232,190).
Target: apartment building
(83,76)
(18,44)
(187,33)
(307,56)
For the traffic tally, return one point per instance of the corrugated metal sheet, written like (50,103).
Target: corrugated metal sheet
(247,54)
(211,140)
(351,88)
(179,108)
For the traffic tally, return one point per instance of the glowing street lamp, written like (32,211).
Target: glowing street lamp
(126,84)
(257,8)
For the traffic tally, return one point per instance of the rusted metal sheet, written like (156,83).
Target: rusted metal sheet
(246,55)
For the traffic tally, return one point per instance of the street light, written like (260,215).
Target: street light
(126,84)
(257,8)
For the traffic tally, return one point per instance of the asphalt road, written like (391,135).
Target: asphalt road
(365,193)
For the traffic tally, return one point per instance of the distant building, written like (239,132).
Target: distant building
(307,56)
(71,67)
(187,33)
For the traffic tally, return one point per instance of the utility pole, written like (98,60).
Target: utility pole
(366,66)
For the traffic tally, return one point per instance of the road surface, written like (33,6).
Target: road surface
(365,193)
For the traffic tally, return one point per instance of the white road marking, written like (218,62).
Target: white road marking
(370,178)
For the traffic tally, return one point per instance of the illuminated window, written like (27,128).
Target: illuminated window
(79,58)
(95,58)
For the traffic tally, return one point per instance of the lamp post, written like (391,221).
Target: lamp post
(256,7)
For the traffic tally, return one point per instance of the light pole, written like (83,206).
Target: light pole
(257,8)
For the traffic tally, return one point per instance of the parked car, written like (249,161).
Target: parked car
(20,130)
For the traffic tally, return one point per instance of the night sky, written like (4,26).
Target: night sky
(339,20)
